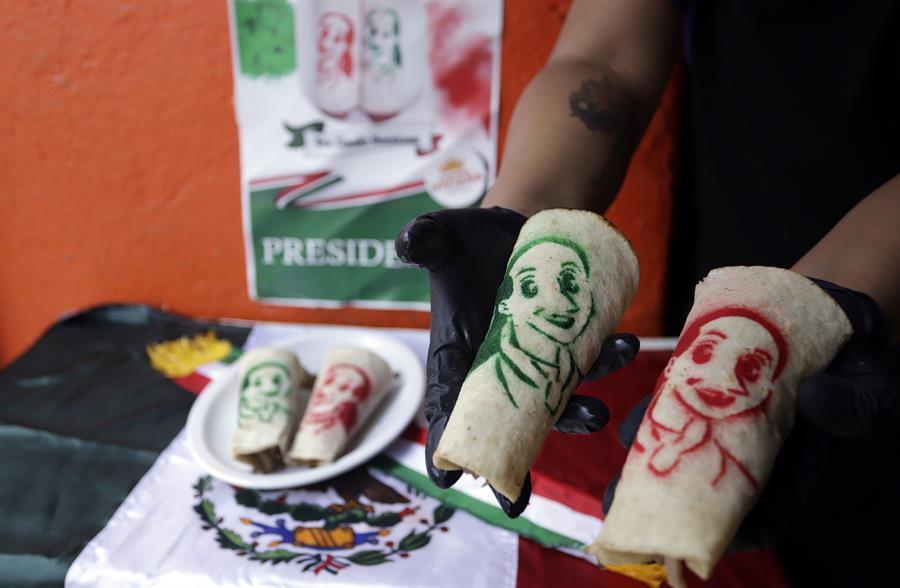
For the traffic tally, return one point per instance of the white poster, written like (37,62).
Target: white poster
(354,117)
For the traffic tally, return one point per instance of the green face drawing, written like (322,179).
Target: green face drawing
(550,292)
(264,392)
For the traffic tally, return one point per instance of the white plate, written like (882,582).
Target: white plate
(211,423)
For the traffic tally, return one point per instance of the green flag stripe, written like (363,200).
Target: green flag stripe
(489,514)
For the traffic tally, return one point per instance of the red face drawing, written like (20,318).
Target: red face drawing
(335,43)
(335,400)
(723,368)
(725,363)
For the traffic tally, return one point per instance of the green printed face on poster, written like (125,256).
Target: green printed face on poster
(354,117)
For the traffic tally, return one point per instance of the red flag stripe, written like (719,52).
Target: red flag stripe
(193,382)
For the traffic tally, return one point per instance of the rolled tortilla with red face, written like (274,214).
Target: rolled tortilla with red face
(273,392)
(569,279)
(720,413)
(350,385)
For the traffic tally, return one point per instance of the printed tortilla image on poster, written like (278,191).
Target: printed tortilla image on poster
(355,116)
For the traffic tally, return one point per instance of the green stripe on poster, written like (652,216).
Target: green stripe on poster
(489,514)
(337,255)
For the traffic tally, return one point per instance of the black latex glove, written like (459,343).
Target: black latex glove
(851,403)
(465,252)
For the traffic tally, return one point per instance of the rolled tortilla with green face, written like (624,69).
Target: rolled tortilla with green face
(351,384)
(273,392)
(569,279)
(720,413)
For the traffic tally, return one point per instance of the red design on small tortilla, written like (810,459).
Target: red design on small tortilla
(337,396)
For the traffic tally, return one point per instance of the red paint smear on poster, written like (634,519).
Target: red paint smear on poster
(461,64)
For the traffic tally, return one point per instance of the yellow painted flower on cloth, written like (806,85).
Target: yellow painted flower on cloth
(180,357)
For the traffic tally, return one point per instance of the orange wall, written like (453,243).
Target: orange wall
(119,165)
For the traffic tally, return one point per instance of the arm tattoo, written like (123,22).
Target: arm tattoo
(599,104)
(607,105)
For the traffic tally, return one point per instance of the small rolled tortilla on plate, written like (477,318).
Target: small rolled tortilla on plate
(351,384)
(273,392)
(569,279)
(720,413)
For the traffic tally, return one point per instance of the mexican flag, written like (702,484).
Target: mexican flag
(100,487)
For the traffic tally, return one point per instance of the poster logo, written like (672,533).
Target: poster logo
(458,179)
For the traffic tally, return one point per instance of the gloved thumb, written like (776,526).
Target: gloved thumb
(423,242)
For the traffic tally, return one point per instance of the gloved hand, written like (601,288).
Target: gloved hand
(852,402)
(465,252)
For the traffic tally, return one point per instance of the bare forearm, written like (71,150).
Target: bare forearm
(862,251)
(570,140)
(575,126)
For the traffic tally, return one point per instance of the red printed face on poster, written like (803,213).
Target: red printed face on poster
(335,57)
(337,397)
(722,371)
